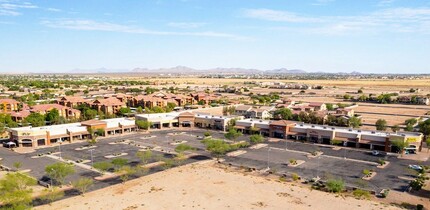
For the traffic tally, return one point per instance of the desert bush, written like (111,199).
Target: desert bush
(335,185)
(295,176)
(359,194)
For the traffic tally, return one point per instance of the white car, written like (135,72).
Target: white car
(416,167)
(375,152)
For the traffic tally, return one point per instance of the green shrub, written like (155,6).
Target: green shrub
(359,193)
(293,161)
(183,147)
(103,166)
(367,172)
(420,207)
(335,185)
(239,145)
(256,138)
(295,176)
(381,162)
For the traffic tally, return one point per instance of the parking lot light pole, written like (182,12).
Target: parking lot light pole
(52,186)
(286,144)
(59,147)
(318,167)
(268,152)
(91,151)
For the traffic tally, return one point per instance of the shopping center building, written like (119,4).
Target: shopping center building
(282,129)
(46,135)
(324,134)
(188,119)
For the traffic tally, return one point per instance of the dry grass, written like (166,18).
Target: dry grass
(339,82)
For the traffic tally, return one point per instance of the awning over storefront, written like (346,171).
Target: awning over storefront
(372,142)
(240,127)
(296,133)
(345,139)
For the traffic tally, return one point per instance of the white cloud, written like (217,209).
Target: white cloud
(384,3)
(186,25)
(277,15)
(391,19)
(12,8)
(54,10)
(322,2)
(90,25)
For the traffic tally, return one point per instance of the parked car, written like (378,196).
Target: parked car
(47,181)
(416,167)
(375,152)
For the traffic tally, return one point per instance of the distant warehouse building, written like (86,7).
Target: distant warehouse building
(375,140)
(46,135)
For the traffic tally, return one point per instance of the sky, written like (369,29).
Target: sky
(369,36)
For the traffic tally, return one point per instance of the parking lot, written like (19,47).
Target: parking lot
(346,164)
(73,152)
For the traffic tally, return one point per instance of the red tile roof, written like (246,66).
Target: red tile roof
(108,102)
(47,107)
(8,100)
(316,104)
(73,99)
(23,113)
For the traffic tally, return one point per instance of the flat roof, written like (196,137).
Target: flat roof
(337,129)
(208,116)
(356,131)
(76,127)
(249,120)
(160,116)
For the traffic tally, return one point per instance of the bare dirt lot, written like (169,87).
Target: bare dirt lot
(205,186)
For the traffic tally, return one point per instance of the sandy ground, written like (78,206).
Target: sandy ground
(204,186)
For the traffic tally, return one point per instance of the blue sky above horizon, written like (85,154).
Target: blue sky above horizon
(371,36)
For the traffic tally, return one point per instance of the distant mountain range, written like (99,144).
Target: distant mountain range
(187,70)
(219,70)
